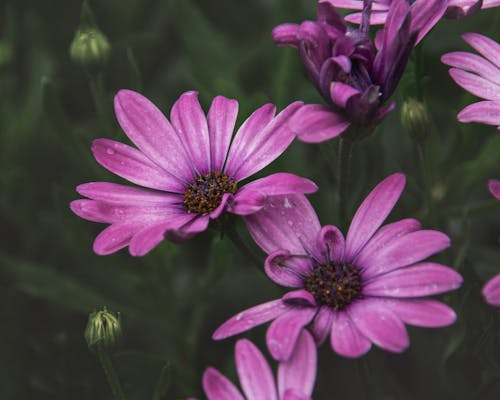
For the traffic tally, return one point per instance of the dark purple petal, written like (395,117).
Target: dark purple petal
(422,312)
(131,164)
(424,279)
(491,291)
(282,334)
(299,372)
(217,387)
(300,297)
(250,318)
(346,339)
(372,213)
(475,84)
(256,377)
(221,119)
(315,123)
(485,112)
(424,15)
(341,93)
(151,132)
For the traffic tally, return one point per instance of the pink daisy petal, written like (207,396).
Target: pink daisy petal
(280,269)
(422,312)
(282,334)
(494,186)
(134,166)
(341,93)
(322,324)
(346,339)
(115,237)
(250,318)
(221,120)
(191,126)
(315,123)
(217,387)
(491,291)
(419,280)
(298,373)
(405,250)
(379,324)
(485,112)
(472,63)
(372,213)
(475,84)
(151,132)
(331,243)
(376,18)
(256,378)
(485,46)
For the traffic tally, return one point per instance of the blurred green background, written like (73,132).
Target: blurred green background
(170,301)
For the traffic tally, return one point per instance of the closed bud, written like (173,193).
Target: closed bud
(89,47)
(415,119)
(103,330)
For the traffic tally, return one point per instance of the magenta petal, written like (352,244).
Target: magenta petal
(406,250)
(485,112)
(379,324)
(475,84)
(226,199)
(472,63)
(358,4)
(292,394)
(190,123)
(286,35)
(346,339)
(341,93)
(315,123)
(256,377)
(376,18)
(131,164)
(126,195)
(151,132)
(331,243)
(425,14)
(221,120)
(372,213)
(494,186)
(115,237)
(299,372)
(385,235)
(253,150)
(485,46)
(247,202)
(282,334)
(422,312)
(218,387)
(250,318)
(491,291)
(299,297)
(280,269)
(419,280)
(322,324)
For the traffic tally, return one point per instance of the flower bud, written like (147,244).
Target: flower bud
(103,330)
(89,47)
(415,119)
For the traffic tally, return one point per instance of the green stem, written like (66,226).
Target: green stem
(343,176)
(235,237)
(110,373)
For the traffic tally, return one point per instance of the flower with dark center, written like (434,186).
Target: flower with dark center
(354,76)
(359,290)
(189,167)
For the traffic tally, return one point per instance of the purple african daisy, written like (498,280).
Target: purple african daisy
(456,9)
(354,79)
(479,76)
(358,290)
(491,291)
(189,167)
(295,378)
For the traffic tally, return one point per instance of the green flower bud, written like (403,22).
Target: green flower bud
(415,119)
(89,47)
(103,330)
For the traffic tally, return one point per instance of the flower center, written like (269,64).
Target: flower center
(205,194)
(335,285)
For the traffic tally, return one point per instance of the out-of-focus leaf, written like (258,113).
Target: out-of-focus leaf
(163,383)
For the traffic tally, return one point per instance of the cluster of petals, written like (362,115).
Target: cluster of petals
(394,279)
(180,160)
(354,77)
(380,8)
(295,377)
(479,75)
(491,291)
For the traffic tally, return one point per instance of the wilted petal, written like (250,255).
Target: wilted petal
(425,14)
(315,123)
(341,93)
(299,371)
(491,291)
(346,339)
(217,387)
(255,374)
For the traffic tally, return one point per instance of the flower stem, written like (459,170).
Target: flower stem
(343,176)
(235,237)
(110,373)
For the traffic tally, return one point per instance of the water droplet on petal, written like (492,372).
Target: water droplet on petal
(110,151)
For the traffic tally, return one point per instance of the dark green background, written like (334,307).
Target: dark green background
(172,300)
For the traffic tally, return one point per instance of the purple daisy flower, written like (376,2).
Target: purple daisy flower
(295,378)
(479,76)
(353,78)
(358,290)
(189,167)
(491,291)
(455,9)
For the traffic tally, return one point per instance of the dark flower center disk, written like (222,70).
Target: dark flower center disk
(335,285)
(205,194)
